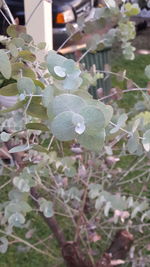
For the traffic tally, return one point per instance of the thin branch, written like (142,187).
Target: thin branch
(51,222)
(5,184)
(126,78)
(124,91)
(27,244)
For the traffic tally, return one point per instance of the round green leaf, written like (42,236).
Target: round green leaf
(72,83)
(19,69)
(53,59)
(21,184)
(12,31)
(13,50)
(26,85)
(70,172)
(27,55)
(47,95)
(26,37)
(94,119)
(68,102)
(46,207)
(38,111)
(92,142)
(71,67)
(107,110)
(16,219)
(5,136)
(62,126)
(18,42)
(9,90)
(5,66)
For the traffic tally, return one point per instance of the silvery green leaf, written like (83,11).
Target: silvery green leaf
(94,190)
(74,193)
(121,122)
(71,67)
(107,208)
(3,245)
(136,124)
(107,110)
(53,59)
(16,195)
(133,142)
(99,202)
(21,184)
(46,207)
(116,201)
(93,118)
(18,42)
(130,202)
(145,215)
(48,93)
(92,142)
(21,148)
(72,83)
(16,219)
(26,85)
(5,136)
(70,172)
(146,140)
(140,208)
(13,50)
(62,126)
(5,66)
(25,207)
(68,102)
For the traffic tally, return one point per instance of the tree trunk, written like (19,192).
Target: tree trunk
(72,253)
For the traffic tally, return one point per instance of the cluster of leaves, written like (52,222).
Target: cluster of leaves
(55,115)
(122,29)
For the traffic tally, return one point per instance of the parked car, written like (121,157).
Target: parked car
(64,11)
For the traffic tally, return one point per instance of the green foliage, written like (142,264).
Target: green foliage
(46,207)
(5,67)
(65,145)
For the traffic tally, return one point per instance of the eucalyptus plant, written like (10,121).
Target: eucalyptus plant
(63,147)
